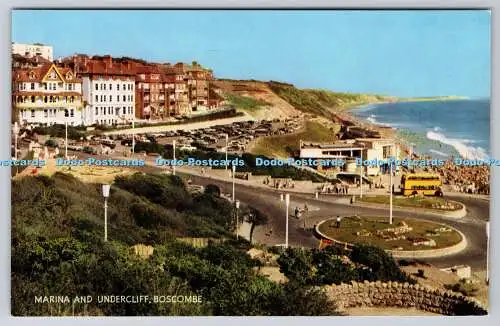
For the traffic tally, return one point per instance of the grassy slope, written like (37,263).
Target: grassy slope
(275,146)
(246,103)
(321,101)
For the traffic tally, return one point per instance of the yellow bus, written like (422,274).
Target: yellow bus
(427,184)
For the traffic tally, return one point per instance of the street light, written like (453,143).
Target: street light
(227,142)
(66,116)
(287,202)
(234,172)
(487,252)
(390,194)
(361,179)
(237,205)
(133,135)
(173,166)
(15,130)
(105,194)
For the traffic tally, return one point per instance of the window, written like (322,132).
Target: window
(96,111)
(118,87)
(104,86)
(103,111)
(72,113)
(124,86)
(72,99)
(117,98)
(103,98)
(109,110)
(97,98)
(111,98)
(70,87)
(32,86)
(96,87)
(45,113)
(124,98)
(123,111)
(32,113)
(32,99)
(110,87)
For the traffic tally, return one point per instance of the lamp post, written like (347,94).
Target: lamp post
(390,194)
(15,130)
(105,194)
(133,135)
(173,166)
(287,202)
(234,172)
(361,174)
(66,116)
(227,142)
(237,205)
(487,252)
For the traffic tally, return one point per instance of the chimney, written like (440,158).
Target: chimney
(109,61)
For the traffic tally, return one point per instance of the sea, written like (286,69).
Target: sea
(440,129)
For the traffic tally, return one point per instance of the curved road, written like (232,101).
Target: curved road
(473,225)
(267,200)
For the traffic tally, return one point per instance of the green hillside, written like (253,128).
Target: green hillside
(320,101)
(58,249)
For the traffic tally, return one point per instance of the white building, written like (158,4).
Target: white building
(47,95)
(109,101)
(33,50)
(109,92)
(350,150)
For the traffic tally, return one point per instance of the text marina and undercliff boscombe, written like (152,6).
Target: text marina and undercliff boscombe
(259,162)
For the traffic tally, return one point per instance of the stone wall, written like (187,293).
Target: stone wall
(403,295)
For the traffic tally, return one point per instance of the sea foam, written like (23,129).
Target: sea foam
(467,152)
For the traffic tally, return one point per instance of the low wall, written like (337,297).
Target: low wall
(429,253)
(403,295)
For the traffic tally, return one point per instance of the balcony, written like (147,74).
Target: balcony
(41,104)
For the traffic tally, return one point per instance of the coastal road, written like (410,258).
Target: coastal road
(267,201)
(473,225)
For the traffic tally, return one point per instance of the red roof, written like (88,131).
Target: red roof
(36,74)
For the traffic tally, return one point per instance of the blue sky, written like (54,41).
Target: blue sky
(401,53)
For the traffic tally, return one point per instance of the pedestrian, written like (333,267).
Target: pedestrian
(338,222)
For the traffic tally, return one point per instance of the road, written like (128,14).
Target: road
(267,200)
(473,225)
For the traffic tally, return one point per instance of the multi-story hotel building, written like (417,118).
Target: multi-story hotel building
(108,88)
(22,62)
(47,95)
(154,92)
(33,50)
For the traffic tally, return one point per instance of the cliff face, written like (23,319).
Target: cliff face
(285,99)
(403,295)
(257,99)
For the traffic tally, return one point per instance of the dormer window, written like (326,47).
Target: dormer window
(68,76)
(32,75)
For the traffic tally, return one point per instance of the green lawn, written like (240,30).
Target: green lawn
(276,146)
(246,103)
(420,202)
(421,229)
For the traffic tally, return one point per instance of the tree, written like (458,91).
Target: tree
(212,189)
(381,266)
(296,264)
(255,217)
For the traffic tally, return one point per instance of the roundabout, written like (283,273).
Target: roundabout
(405,237)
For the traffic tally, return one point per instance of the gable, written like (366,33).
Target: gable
(53,75)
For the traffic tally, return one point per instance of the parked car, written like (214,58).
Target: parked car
(89,150)
(108,142)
